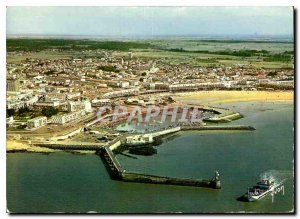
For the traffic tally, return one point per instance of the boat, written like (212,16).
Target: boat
(259,191)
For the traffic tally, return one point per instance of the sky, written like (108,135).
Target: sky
(149,21)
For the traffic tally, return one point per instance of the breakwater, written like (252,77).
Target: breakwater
(224,118)
(144,178)
(118,173)
(237,127)
(72,146)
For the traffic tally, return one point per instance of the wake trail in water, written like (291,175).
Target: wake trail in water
(277,176)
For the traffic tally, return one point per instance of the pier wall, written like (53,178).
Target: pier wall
(241,127)
(117,172)
(143,178)
(112,164)
(164,132)
(115,145)
(225,118)
(85,147)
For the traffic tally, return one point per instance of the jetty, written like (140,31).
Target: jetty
(117,172)
(217,127)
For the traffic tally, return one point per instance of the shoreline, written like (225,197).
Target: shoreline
(17,146)
(219,97)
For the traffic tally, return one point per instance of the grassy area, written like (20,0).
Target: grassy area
(223,45)
(204,53)
(211,60)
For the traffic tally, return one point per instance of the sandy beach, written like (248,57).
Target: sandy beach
(218,97)
(12,145)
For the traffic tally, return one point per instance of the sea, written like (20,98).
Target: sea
(70,183)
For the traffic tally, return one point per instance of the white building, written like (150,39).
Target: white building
(74,106)
(196,86)
(121,93)
(139,140)
(87,106)
(101,102)
(65,118)
(10,120)
(79,105)
(124,84)
(37,122)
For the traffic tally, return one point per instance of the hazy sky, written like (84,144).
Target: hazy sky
(124,21)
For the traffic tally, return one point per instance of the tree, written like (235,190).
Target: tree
(49,111)
(23,110)
(10,112)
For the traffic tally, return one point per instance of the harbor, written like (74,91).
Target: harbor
(185,154)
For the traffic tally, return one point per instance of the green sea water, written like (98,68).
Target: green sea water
(63,182)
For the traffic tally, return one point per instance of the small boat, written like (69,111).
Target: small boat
(259,191)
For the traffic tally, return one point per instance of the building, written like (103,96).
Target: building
(158,86)
(37,122)
(121,93)
(101,102)
(197,86)
(79,105)
(124,84)
(12,85)
(15,104)
(87,106)
(65,118)
(139,140)
(10,121)
(74,106)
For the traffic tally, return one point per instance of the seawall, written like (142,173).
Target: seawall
(238,127)
(117,172)
(144,178)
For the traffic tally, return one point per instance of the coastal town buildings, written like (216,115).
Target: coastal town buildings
(78,86)
(37,122)
(68,117)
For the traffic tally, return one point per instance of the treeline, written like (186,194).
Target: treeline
(108,68)
(281,57)
(262,86)
(267,56)
(67,44)
(25,111)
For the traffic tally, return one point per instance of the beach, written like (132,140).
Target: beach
(218,97)
(22,146)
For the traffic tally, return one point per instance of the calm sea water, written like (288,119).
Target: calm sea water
(64,182)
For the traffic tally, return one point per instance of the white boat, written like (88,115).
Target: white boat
(259,191)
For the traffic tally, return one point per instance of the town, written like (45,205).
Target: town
(64,94)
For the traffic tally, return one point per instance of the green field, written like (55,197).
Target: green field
(206,53)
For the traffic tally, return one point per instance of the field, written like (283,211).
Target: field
(203,53)
(223,45)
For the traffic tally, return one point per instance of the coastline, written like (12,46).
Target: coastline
(13,146)
(198,97)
